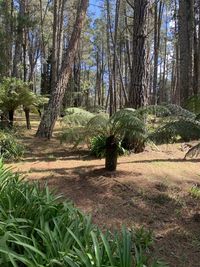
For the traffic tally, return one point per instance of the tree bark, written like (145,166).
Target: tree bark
(27,116)
(111,153)
(138,84)
(185,35)
(158,12)
(51,113)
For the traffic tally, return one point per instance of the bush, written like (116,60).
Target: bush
(38,230)
(10,147)
(98,147)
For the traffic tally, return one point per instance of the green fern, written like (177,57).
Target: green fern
(183,129)
(123,123)
(193,104)
(76,117)
(178,111)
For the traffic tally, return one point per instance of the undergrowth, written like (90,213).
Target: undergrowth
(10,148)
(37,229)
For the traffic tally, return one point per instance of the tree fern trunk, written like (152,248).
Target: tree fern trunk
(50,116)
(111,153)
(11,117)
(27,115)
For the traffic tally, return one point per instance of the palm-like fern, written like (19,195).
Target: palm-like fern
(173,123)
(123,122)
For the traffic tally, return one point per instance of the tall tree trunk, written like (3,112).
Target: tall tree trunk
(50,115)
(110,76)
(138,84)
(196,76)
(54,54)
(185,35)
(17,60)
(157,26)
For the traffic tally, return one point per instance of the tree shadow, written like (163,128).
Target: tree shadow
(112,202)
(161,160)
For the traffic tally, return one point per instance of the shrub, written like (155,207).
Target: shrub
(10,148)
(38,230)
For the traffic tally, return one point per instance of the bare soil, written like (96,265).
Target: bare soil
(150,189)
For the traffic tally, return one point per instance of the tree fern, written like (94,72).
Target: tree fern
(76,117)
(182,128)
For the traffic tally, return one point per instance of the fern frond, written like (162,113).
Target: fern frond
(98,125)
(74,135)
(193,104)
(178,111)
(157,110)
(193,152)
(126,122)
(77,117)
(184,128)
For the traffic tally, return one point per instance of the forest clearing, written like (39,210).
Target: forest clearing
(99,133)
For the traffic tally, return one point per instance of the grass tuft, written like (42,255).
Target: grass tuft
(195,191)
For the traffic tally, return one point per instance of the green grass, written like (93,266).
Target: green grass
(195,191)
(37,229)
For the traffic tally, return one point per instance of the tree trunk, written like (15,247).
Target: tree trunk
(138,84)
(51,113)
(185,49)
(111,153)
(157,28)
(11,118)
(110,77)
(27,115)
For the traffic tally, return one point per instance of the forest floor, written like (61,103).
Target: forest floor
(150,189)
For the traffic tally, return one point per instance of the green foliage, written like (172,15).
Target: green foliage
(123,123)
(76,117)
(193,104)
(98,147)
(174,123)
(195,191)
(178,111)
(180,124)
(143,238)
(38,230)
(182,129)
(10,148)
(13,93)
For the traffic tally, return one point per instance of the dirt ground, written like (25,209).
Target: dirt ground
(149,189)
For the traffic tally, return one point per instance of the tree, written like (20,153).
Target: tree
(51,113)
(185,43)
(139,79)
(126,122)
(14,93)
